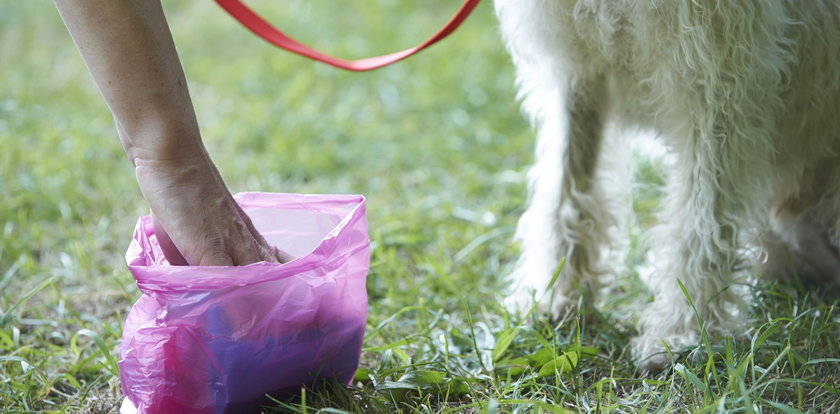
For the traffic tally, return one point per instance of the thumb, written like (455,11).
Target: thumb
(170,251)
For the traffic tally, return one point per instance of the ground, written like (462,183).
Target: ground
(438,146)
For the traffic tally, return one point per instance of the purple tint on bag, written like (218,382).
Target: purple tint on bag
(217,339)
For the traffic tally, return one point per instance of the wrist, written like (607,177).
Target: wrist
(164,144)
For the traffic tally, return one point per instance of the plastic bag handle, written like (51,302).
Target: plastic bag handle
(265,30)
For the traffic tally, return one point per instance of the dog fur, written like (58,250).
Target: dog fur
(745,95)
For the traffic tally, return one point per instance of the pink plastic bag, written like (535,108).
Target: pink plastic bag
(217,339)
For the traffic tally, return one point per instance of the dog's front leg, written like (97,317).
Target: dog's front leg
(566,217)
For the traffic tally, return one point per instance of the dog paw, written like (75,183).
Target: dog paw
(650,355)
(655,353)
(519,302)
(522,302)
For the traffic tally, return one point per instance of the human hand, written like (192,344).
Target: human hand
(196,219)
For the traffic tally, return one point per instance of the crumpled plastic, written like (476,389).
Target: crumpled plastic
(217,339)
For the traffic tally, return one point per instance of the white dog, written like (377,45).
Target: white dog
(744,93)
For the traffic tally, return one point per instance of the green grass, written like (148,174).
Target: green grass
(437,145)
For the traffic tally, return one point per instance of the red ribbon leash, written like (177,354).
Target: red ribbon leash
(265,30)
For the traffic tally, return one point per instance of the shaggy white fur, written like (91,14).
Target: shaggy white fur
(744,93)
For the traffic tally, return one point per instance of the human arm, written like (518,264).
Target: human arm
(129,51)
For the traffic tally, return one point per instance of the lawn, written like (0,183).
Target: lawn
(438,146)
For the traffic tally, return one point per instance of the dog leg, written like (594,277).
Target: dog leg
(695,244)
(566,217)
(802,240)
(803,249)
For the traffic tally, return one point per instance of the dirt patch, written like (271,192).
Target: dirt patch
(105,400)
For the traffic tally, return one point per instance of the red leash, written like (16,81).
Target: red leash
(265,30)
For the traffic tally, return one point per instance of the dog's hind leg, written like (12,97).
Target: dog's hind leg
(800,246)
(566,218)
(804,232)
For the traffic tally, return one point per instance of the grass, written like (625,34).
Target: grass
(437,145)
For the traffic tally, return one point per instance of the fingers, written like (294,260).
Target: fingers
(246,244)
(241,248)
(218,259)
(283,257)
(261,251)
(196,220)
(238,245)
(266,252)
